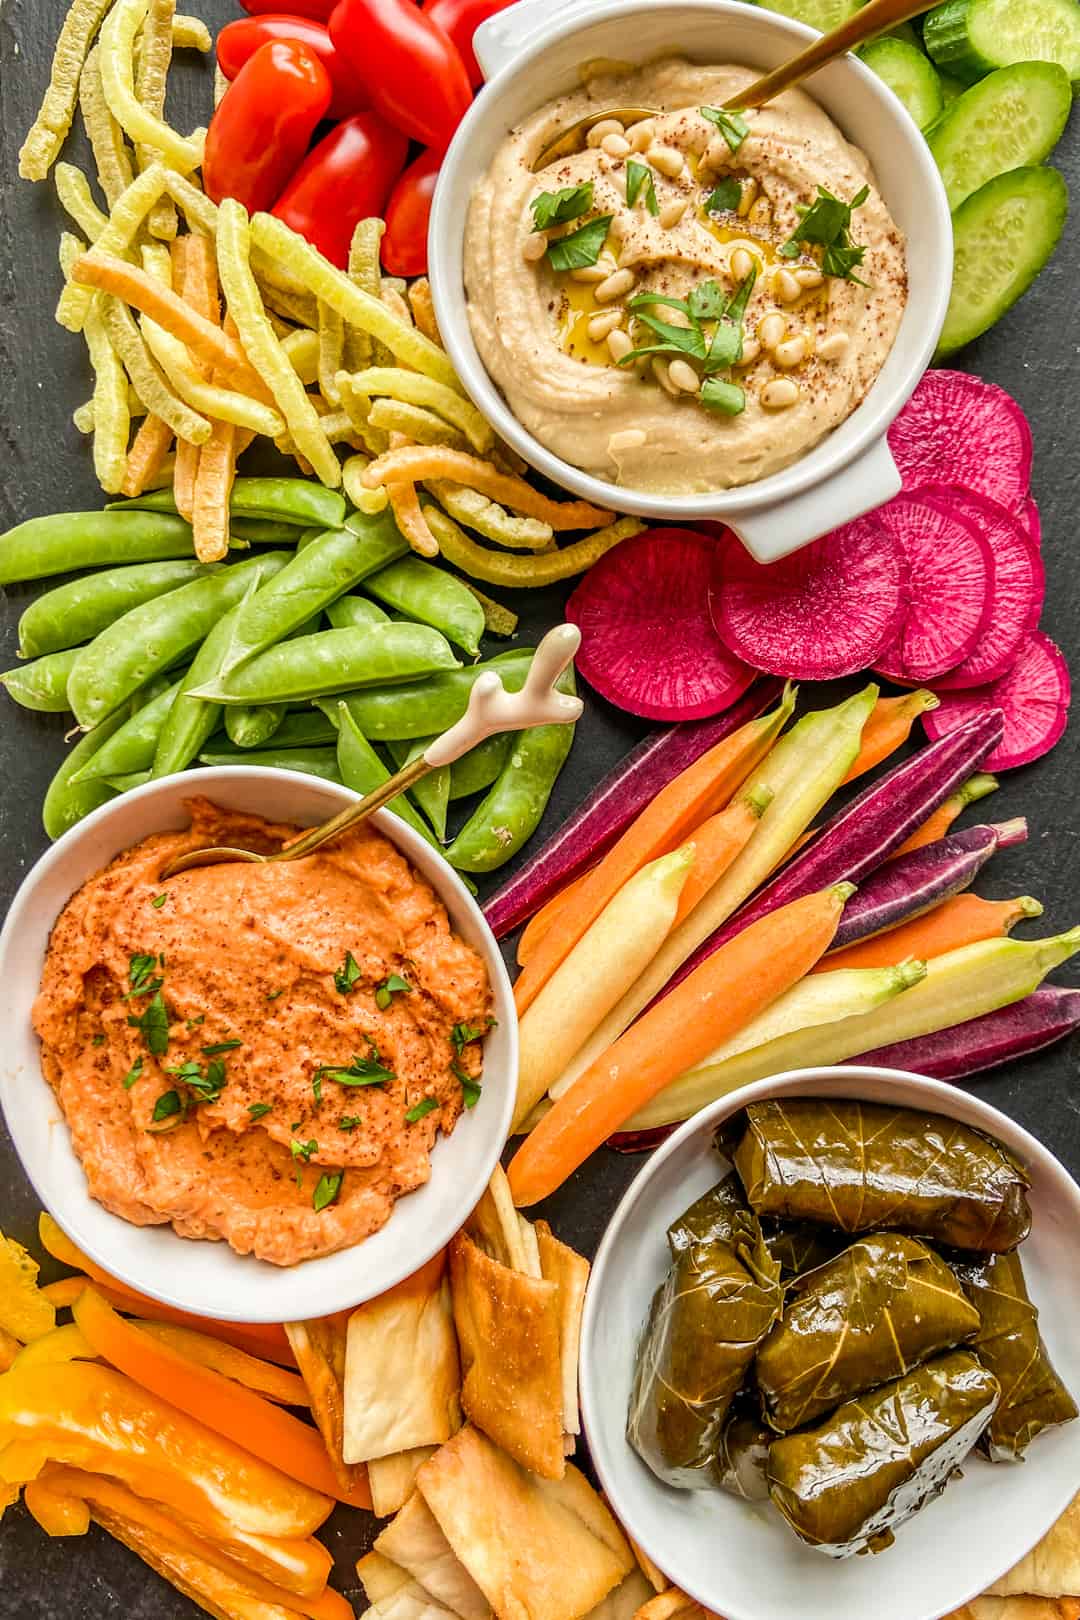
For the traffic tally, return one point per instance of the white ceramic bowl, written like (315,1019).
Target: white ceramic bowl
(531,53)
(741,1560)
(209,1278)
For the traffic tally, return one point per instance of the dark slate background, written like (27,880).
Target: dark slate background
(46,468)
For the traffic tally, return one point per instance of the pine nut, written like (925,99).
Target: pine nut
(749,193)
(600,131)
(772,330)
(677,317)
(671,212)
(742,264)
(779,394)
(667,160)
(600,271)
(792,352)
(761,213)
(786,288)
(619,345)
(641,135)
(616,146)
(683,376)
(627,439)
(615,286)
(534,247)
(660,372)
(600,325)
(750,350)
(808,279)
(618,227)
(834,347)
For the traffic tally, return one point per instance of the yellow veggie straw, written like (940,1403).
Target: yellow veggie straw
(518,572)
(159,399)
(222,404)
(112,156)
(49,130)
(73,190)
(124,222)
(118,33)
(151,79)
(414,389)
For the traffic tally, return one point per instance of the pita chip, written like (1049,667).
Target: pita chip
(394,1595)
(319,1348)
(414,1541)
(495,1227)
(570,1271)
(1052,1567)
(655,1577)
(392,1480)
(538,1549)
(625,1601)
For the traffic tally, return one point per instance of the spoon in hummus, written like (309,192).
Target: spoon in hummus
(491,709)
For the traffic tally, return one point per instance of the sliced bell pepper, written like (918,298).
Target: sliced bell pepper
(411,67)
(25,1312)
(405,244)
(62,1344)
(461,19)
(262,1376)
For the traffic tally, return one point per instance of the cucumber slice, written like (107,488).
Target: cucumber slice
(819,14)
(1003,235)
(906,31)
(951,88)
(969,38)
(1012,119)
(910,76)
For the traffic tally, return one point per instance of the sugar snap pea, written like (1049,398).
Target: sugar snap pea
(430,706)
(124,784)
(477,769)
(431,794)
(248,726)
(153,637)
(64,541)
(350,610)
(430,596)
(511,812)
(76,612)
(298,501)
(133,746)
(334,661)
(263,532)
(363,771)
(42,685)
(311,761)
(302,728)
(68,801)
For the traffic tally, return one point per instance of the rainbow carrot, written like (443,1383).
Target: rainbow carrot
(959,921)
(888,728)
(538,925)
(936,826)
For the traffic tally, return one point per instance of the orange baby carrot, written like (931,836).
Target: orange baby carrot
(960,921)
(889,725)
(716,844)
(937,825)
(537,926)
(718,999)
(701,790)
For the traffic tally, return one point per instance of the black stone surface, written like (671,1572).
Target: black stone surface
(46,468)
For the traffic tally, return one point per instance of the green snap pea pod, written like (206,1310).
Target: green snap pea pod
(76,612)
(477,769)
(132,748)
(68,540)
(311,761)
(511,812)
(263,532)
(431,706)
(302,728)
(42,685)
(153,637)
(67,801)
(334,661)
(124,784)
(363,771)
(431,794)
(249,727)
(298,501)
(427,594)
(353,610)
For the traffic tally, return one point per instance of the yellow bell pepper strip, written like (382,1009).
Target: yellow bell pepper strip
(241,1416)
(262,1376)
(55,1513)
(25,1312)
(9,1349)
(9,1495)
(62,1344)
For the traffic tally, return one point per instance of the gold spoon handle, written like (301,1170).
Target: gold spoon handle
(400,782)
(872,19)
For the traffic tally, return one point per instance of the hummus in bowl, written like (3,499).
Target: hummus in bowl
(688,301)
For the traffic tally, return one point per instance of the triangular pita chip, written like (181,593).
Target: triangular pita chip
(531,1247)
(494,1224)
(625,1601)
(508,1329)
(415,1543)
(655,1576)
(570,1270)
(531,1545)
(319,1348)
(392,1480)
(1052,1567)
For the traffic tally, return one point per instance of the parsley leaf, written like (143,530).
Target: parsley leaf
(327,1189)
(259,1110)
(133,1074)
(560,207)
(707,301)
(301,1152)
(463,1035)
(141,974)
(638,175)
(316,1087)
(827,224)
(581,248)
(153,1025)
(97,1040)
(348,1122)
(167,1105)
(220,1046)
(421,1109)
(725,397)
(367,1071)
(393,986)
(725,199)
(732,125)
(684,339)
(347,974)
(470,1086)
(158,901)
(207,1086)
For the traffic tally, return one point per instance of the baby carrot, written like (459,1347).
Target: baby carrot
(537,926)
(729,988)
(701,790)
(959,921)
(888,727)
(937,825)
(716,844)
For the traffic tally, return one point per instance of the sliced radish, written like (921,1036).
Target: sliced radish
(1031,518)
(825,611)
(951,570)
(1034,697)
(1018,588)
(648,644)
(957,429)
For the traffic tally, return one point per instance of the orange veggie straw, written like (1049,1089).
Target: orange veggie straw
(246,1419)
(960,921)
(716,844)
(148,450)
(718,999)
(889,726)
(700,790)
(538,925)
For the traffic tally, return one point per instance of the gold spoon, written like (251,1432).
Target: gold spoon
(491,709)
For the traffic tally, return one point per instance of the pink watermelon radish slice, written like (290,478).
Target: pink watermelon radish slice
(1018,588)
(1031,518)
(1034,697)
(951,570)
(957,429)
(648,644)
(825,611)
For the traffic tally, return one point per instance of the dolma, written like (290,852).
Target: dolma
(847,1485)
(799,1246)
(743,1453)
(718,1216)
(1033,1397)
(719,1300)
(864,1167)
(872,1314)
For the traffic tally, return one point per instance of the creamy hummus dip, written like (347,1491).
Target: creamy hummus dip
(260,1054)
(704,208)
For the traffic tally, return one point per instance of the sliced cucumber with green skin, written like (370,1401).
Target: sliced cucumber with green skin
(1012,119)
(951,88)
(819,14)
(905,31)
(970,38)
(912,77)
(1003,235)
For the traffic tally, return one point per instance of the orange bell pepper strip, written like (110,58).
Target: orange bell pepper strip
(718,999)
(888,728)
(696,794)
(287,1388)
(241,1416)
(960,921)
(62,1344)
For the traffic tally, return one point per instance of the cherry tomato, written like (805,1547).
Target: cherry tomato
(264,124)
(461,19)
(346,178)
(319,9)
(404,246)
(412,69)
(241,39)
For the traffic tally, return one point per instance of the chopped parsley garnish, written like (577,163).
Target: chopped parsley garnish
(463,1035)
(272,995)
(707,302)
(259,1110)
(827,224)
(347,974)
(421,1109)
(638,175)
(207,1084)
(158,901)
(726,397)
(725,199)
(732,125)
(327,1189)
(166,1106)
(367,1071)
(153,1025)
(194,1023)
(580,249)
(560,207)
(301,1152)
(97,1040)
(144,980)
(348,1122)
(133,1074)
(316,1086)
(219,1047)
(395,985)
(470,1086)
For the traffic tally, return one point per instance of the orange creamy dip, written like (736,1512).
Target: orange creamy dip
(244,1151)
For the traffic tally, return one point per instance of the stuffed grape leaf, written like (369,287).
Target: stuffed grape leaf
(799,1246)
(743,1453)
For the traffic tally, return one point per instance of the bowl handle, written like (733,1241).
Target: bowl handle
(771,532)
(503,37)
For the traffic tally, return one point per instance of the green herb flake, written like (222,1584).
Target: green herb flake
(638,175)
(133,1074)
(316,1086)
(153,1025)
(272,995)
(369,1071)
(207,1084)
(725,199)
(580,249)
(349,1122)
(219,1047)
(158,901)
(463,1035)
(827,224)
(421,1109)
(470,1086)
(560,207)
(732,125)
(141,975)
(327,1189)
(167,1105)
(259,1110)
(393,986)
(97,1040)
(303,1150)
(347,974)
(194,1023)
(725,397)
